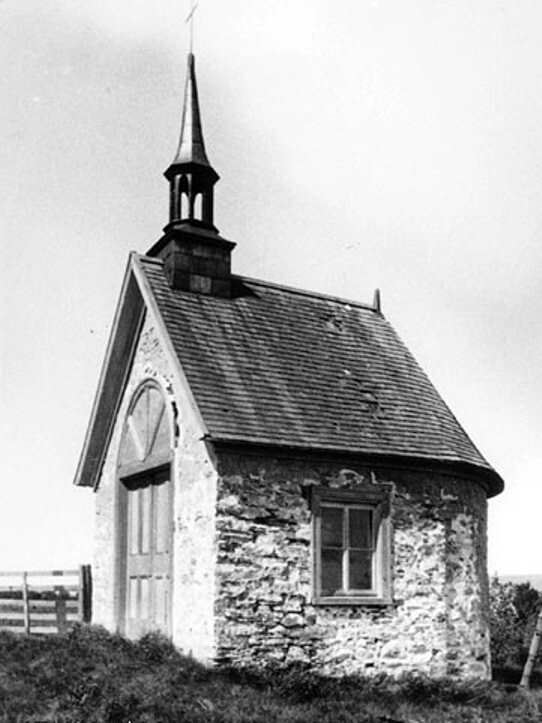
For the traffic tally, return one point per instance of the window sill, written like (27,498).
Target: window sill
(353,600)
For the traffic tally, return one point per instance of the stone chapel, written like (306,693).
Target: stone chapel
(275,477)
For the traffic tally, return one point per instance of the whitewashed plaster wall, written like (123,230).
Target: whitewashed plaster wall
(193,519)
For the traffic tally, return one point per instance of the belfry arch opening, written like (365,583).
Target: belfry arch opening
(145,517)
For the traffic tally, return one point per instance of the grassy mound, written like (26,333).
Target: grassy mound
(90,676)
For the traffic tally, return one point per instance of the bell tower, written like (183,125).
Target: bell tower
(195,257)
(191,177)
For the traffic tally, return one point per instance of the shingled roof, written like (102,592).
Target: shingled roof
(282,367)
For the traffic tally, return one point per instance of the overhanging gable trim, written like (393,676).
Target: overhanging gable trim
(129,317)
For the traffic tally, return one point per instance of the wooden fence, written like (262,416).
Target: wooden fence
(45,602)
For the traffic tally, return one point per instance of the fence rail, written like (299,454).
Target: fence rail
(45,601)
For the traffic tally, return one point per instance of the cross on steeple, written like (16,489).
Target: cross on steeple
(190,19)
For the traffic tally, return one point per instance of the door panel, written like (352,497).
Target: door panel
(149,534)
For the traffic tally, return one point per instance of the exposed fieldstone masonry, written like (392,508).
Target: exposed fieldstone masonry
(242,561)
(437,621)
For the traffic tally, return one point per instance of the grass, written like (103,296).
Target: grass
(90,676)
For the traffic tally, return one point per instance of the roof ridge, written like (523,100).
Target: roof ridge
(147,259)
(281,287)
(305,292)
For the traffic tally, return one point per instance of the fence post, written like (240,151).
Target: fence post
(60,608)
(533,653)
(85,593)
(81,596)
(26,606)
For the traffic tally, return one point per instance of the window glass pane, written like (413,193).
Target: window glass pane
(133,525)
(360,528)
(331,571)
(145,514)
(331,526)
(361,570)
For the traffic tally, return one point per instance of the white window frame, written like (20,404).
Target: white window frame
(375,498)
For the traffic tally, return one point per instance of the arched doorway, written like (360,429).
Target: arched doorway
(145,516)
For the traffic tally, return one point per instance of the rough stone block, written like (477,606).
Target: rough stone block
(291,620)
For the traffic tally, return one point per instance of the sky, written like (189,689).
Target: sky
(364,143)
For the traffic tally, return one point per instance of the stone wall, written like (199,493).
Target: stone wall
(437,622)
(194,493)
(242,560)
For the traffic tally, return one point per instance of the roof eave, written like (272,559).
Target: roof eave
(487,477)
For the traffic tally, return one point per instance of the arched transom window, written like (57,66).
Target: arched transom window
(147,438)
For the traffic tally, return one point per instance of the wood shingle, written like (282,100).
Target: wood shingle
(279,366)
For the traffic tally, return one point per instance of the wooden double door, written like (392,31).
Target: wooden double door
(147,598)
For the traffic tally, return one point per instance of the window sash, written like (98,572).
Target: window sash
(371,496)
(346,547)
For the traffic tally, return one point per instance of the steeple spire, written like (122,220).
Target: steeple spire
(191,145)
(190,175)
(195,257)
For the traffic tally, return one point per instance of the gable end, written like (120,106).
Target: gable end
(118,359)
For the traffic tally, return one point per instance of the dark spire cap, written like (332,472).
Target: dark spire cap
(191,151)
